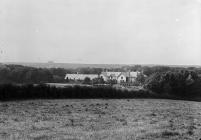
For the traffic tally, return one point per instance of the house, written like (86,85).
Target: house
(127,77)
(109,75)
(120,77)
(123,77)
(80,76)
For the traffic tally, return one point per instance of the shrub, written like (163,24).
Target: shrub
(181,83)
(21,92)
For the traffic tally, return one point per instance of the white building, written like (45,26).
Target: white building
(109,75)
(80,76)
(120,77)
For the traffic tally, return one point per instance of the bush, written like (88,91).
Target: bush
(181,83)
(22,92)
(87,80)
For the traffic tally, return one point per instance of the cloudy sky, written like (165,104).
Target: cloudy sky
(101,31)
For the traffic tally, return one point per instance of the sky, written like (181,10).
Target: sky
(101,31)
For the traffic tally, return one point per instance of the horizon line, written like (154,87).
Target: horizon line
(79,63)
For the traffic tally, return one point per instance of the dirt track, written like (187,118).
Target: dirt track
(100,119)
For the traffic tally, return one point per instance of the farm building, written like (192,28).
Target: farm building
(120,77)
(80,76)
(110,75)
(128,77)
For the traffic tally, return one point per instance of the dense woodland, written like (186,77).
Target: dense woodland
(161,82)
(28,75)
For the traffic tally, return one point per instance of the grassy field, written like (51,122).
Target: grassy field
(100,119)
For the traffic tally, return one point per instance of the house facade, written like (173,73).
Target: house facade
(120,77)
(109,75)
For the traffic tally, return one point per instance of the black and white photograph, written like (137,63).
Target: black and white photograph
(100,69)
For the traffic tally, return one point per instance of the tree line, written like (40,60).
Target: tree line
(162,82)
(41,91)
(181,83)
(25,74)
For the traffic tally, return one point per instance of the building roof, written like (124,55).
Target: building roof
(134,74)
(113,74)
(81,76)
(104,74)
(126,74)
(130,74)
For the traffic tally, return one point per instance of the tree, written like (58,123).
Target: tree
(98,80)
(180,83)
(112,81)
(140,78)
(87,80)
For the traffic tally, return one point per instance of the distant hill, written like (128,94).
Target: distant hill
(67,65)
(78,65)
(2,65)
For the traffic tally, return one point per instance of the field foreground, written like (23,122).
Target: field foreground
(100,119)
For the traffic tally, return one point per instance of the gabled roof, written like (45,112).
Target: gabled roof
(104,74)
(81,76)
(130,74)
(134,74)
(113,74)
(126,74)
